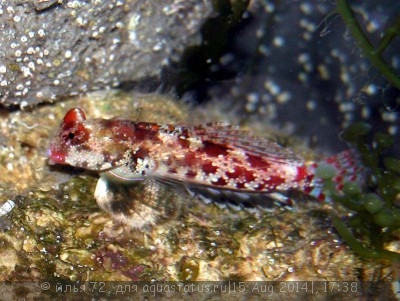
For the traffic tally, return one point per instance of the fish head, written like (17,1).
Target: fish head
(72,134)
(86,143)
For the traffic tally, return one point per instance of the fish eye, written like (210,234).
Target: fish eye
(74,135)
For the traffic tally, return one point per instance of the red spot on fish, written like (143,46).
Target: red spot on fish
(213,149)
(241,172)
(121,131)
(74,115)
(240,185)
(183,142)
(257,161)
(190,174)
(301,173)
(273,181)
(209,168)
(219,182)
(138,132)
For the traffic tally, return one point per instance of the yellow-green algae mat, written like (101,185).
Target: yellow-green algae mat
(57,232)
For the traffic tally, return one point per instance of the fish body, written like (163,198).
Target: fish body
(210,156)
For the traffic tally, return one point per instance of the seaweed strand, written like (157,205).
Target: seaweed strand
(356,246)
(374,55)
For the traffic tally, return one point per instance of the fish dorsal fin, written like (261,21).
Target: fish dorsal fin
(221,133)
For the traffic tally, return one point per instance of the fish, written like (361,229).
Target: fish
(211,156)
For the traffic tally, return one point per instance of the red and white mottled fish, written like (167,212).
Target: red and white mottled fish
(210,156)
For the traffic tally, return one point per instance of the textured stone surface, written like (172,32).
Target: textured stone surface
(53,49)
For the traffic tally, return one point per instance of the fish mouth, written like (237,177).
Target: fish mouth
(55,156)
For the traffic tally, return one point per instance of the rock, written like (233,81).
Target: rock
(54,49)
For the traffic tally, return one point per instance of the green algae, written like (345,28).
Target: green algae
(44,226)
(374,54)
(188,269)
(376,219)
(373,203)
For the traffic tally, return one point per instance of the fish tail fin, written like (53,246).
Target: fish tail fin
(343,167)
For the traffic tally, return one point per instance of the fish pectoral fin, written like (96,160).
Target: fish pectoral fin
(124,174)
